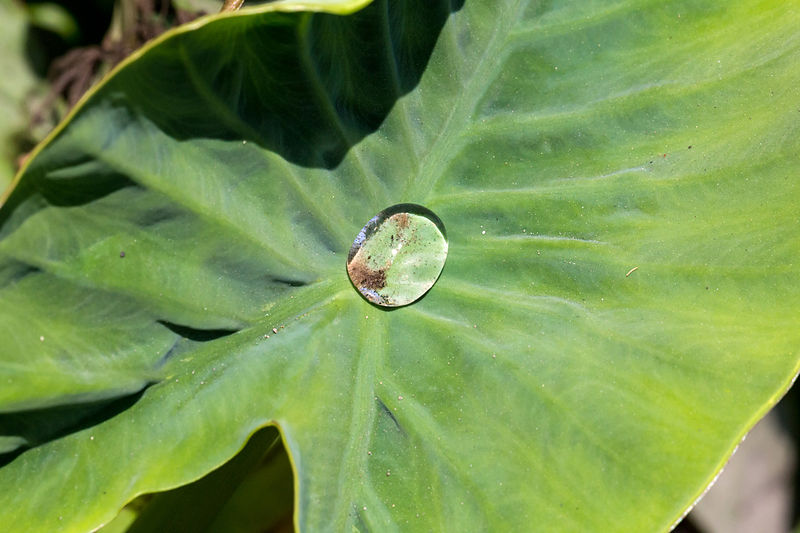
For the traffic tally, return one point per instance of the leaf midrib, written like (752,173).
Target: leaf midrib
(432,165)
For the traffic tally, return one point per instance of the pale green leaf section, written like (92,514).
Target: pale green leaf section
(618,306)
(341,7)
(208,6)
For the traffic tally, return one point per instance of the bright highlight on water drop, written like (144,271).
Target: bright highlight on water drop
(398,255)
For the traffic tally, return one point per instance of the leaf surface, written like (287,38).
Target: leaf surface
(617,309)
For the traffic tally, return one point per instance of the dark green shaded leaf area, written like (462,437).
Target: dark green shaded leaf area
(618,182)
(251,492)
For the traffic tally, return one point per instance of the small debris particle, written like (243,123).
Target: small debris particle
(631,271)
(266,336)
(369,452)
(399,397)
(690,147)
(274,330)
(122,254)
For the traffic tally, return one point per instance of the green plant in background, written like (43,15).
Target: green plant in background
(16,81)
(618,306)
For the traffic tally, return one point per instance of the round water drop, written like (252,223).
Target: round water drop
(398,255)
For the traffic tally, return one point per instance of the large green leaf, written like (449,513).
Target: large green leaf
(618,185)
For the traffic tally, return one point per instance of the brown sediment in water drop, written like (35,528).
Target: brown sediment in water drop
(363,276)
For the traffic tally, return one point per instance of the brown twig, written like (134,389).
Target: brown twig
(231,5)
(73,74)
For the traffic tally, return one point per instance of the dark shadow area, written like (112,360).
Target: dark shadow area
(686,525)
(788,413)
(254,487)
(305,87)
(83,188)
(288,282)
(384,409)
(194,334)
(85,181)
(40,426)
(42,45)
(12,271)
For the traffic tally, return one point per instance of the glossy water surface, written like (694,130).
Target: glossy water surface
(398,255)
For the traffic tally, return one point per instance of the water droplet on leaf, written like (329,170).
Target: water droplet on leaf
(398,255)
